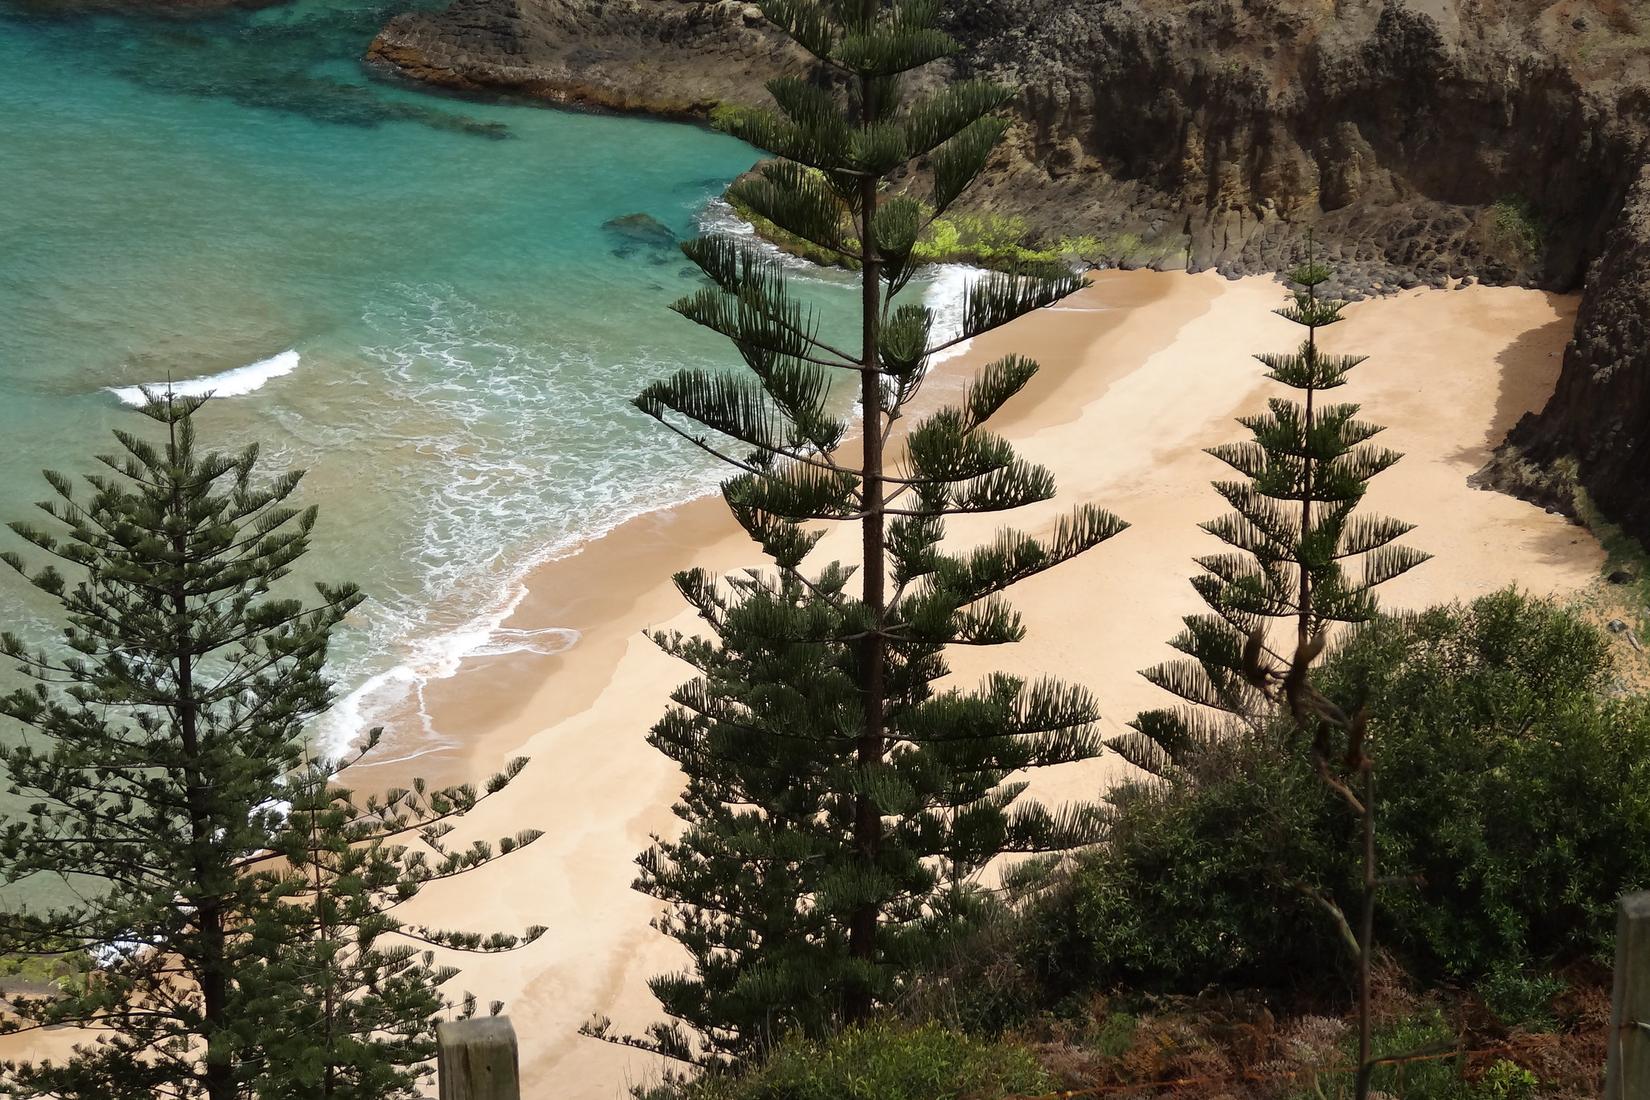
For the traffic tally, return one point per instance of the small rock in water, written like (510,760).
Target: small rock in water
(640,232)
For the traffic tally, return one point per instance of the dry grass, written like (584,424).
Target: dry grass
(1232,1048)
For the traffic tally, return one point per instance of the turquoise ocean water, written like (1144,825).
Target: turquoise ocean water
(414,297)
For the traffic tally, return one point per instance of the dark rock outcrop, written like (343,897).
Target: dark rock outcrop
(668,58)
(1424,139)
(1595,432)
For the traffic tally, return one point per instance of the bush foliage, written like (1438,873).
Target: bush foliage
(1513,795)
(1513,800)
(883,1062)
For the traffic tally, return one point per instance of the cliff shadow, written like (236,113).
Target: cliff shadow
(1529,369)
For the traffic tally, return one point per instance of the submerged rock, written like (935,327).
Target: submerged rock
(638,233)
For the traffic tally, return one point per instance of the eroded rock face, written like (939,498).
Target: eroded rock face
(1596,429)
(1423,138)
(663,57)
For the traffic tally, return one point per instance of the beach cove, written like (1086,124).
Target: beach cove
(1140,372)
(442,307)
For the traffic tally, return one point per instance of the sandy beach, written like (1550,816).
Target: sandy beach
(1140,373)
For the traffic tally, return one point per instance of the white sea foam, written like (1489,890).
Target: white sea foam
(230,383)
(440,655)
(464,392)
(719,218)
(945,298)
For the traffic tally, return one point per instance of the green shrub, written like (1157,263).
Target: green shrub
(1514,797)
(1512,785)
(884,1062)
(69,970)
(1521,998)
(1518,226)
(1424,1031)
(1508,1081)
(1194,888)
(995,241)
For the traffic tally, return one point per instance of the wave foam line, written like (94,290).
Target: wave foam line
(946,298)
(439,654)
(231,383)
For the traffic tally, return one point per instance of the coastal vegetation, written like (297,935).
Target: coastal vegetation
(237,901)
(1518,226)
(997,241)
(1231,865)
(1513,812)
(1293,535)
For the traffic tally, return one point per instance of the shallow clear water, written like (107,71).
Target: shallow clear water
(417,296)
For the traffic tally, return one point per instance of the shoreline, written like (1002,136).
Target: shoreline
(1139,373)
(394,697)
(650,547)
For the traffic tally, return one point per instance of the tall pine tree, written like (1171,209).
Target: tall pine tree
(1299,555)
(841,802)
(238,904)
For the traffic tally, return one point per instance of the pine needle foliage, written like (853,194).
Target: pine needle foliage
(239,904)
(1299,551)
(343,994)
(840,800)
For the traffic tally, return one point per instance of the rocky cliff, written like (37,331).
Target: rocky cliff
(659,57)
(1423,140)
(1595,431)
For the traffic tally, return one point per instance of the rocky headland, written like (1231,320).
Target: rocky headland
(1425,142)
(657,57)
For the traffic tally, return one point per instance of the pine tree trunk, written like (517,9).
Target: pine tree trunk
(1305,634)
(862,931)
(329,1003)
(1366,939)
(219,1076)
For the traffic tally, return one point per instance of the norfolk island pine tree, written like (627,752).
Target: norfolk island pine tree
(840,804)
(238,901)
(1294,536)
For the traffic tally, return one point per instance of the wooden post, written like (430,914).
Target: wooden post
(476,1059)
(1627,1074)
